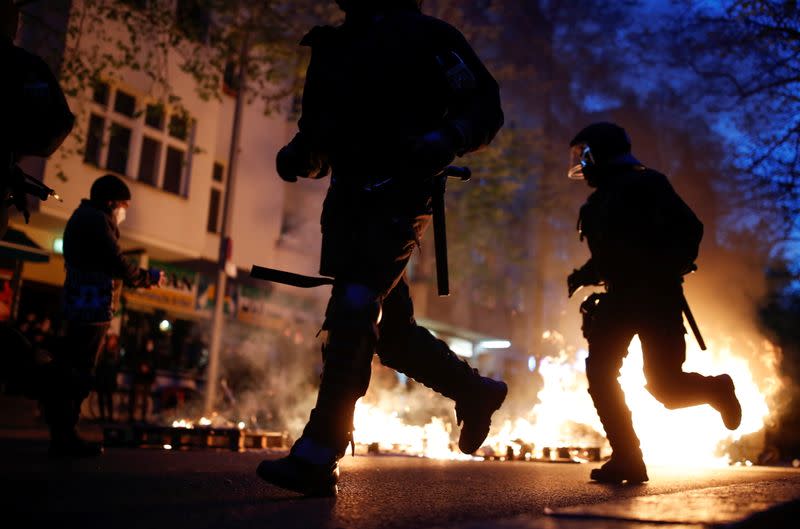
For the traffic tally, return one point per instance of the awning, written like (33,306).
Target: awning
(17,246)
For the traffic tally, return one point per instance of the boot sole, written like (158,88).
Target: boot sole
(598,476)
(501,398)
(731,409)
(279,480)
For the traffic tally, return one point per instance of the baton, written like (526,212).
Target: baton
(288,278)
(440,224)
(692,323)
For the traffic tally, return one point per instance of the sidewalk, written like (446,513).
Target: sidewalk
(761,505)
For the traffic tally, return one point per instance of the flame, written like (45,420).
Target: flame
(374,426)
(695,435)
(565,417)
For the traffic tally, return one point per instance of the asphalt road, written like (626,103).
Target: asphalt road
(149,488)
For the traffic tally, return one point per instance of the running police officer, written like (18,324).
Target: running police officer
(643,238)
(391,98)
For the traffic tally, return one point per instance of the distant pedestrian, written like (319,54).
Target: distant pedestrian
(142,379)
(105,378)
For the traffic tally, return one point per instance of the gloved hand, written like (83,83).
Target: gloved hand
(573,282)
(433,151)
(296,160)
(580,278)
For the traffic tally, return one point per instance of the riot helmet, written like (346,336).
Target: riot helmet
(597,146)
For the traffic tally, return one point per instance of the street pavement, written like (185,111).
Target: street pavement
(153,488)
(210,489)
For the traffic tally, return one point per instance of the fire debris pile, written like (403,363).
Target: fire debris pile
(562,426)
(182,434)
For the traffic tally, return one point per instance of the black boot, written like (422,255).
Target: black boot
(629,468)
(726,403)
(71,446)
(475,412)
(310,469)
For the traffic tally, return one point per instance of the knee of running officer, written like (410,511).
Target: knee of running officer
(664,389)
(353,306)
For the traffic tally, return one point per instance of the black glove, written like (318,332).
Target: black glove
(432,152)
(581,278)
(296,160)
(573,282)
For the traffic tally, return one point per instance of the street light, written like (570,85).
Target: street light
(494,344)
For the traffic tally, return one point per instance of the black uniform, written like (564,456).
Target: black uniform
(376,85)
(642,238)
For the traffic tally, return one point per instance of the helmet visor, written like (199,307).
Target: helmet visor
(580,156)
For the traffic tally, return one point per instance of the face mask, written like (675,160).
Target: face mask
(119,215)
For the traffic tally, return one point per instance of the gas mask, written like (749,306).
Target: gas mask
(119,215)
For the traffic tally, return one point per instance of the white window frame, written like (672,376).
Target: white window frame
(139,129)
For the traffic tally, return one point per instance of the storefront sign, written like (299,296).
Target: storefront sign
(179,293)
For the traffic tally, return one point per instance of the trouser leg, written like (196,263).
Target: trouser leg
(351,327)
(75,360)
(608,339)
(366,247)
(664,352)
(412,350)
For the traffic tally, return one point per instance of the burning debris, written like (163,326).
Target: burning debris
(214,433)
(402,418)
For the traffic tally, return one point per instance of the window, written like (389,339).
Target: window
(173,171)
(178,126)
(118,146)
(213,211)
(149,161)
(94,139)
(125,104)
(219,172)
(154,116)
(215,200)
(100,95)
(147,140)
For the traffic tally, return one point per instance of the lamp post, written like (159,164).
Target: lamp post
(225,239)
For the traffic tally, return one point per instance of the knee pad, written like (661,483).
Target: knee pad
(353,306)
